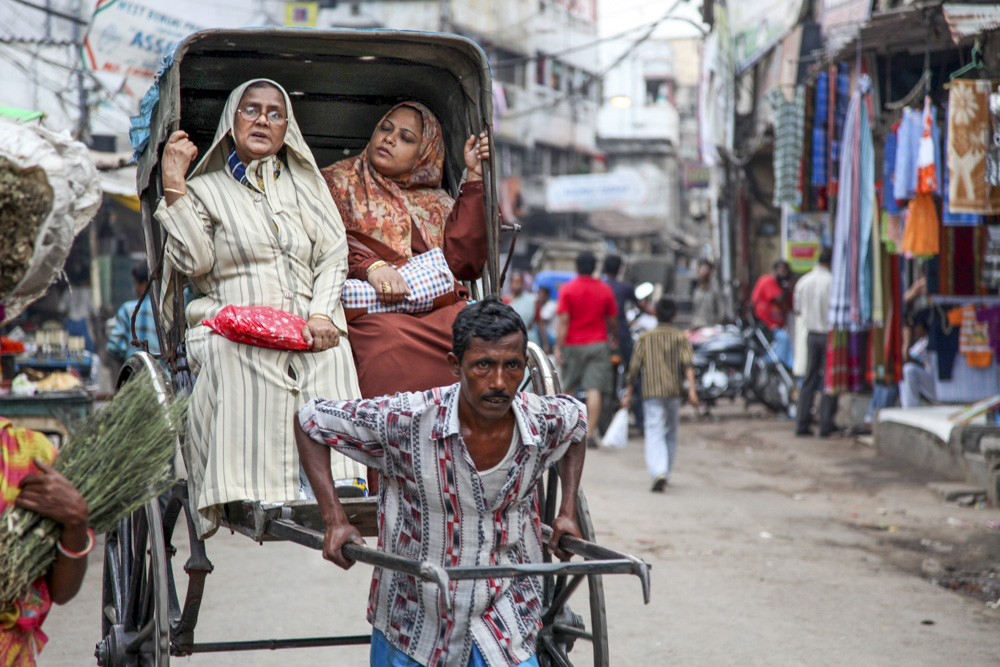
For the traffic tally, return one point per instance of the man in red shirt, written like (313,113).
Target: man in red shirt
(587,312)
(771,297)
(772,301)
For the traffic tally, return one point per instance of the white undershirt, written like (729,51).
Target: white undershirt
(494,478)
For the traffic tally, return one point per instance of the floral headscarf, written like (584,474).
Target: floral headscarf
(386,208)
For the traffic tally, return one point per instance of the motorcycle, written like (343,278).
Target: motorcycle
(741,362)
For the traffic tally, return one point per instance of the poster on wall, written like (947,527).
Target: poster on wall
(806,234)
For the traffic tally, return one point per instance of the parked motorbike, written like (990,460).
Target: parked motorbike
(740,361)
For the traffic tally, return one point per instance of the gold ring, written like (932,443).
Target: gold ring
(386,288)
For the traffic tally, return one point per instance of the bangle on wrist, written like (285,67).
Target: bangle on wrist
(322,317)
(375,265)
(91,541)
(176,192)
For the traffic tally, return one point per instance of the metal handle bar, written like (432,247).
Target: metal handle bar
(598,560)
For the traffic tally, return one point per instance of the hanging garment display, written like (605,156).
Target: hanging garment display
(993,142)
(789,121)
(819,144)
(927,182)
(968,132)
(973,338)
(991,318)
(908,137)
(851,290)
(921,236)
(990,270)
(960,269)
(840,87)
(950,218)
(889,204)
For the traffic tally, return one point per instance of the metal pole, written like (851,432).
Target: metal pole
(83,123)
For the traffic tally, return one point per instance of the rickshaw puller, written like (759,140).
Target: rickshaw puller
(459,466)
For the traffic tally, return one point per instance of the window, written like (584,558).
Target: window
(657,91)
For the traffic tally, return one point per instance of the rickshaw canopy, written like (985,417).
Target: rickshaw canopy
(340,82)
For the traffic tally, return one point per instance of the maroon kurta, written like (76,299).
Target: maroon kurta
(397,352)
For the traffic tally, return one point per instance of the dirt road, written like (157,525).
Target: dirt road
(766,550)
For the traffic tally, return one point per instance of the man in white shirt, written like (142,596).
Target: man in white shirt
(812,304)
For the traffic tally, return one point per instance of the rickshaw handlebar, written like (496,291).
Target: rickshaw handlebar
(597,560)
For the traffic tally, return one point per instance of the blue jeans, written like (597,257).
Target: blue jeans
(783,347)
(384,654)
(660,427)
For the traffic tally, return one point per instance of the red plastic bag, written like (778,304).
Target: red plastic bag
(262,326)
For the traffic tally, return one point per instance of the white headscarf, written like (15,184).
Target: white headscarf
(311,189)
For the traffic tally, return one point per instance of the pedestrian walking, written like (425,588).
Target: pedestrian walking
(587,313)
(524,303)
(812,304)
(663,356)
(459,466)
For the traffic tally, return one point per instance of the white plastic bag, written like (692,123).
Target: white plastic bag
(617,434)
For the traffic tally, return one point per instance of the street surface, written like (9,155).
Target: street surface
(766,550)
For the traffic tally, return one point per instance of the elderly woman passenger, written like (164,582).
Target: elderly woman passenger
(394,208)
(254,225)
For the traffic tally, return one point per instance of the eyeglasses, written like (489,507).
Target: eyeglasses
(251,114)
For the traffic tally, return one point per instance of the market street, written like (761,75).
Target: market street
(766,550)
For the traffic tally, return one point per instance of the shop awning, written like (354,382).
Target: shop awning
(967,19)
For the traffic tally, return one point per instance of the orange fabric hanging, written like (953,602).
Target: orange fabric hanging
(921,236)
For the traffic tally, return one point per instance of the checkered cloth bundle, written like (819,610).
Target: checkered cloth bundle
(427,275)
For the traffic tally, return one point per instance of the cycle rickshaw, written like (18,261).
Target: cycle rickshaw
(340,81)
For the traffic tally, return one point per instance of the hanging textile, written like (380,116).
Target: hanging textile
(920,233)
(990,269)
(840,87)
(789,119)
(973,338)
(908,137)
(963,251)
(889,204)
(819,144)
(968,130)
(948,217)
(851,298)
(993,141)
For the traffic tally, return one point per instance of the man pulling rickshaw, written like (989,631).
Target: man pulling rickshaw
(458,467)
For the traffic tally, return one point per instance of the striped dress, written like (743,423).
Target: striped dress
(283,246)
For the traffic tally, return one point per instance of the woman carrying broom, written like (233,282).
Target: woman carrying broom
(254,225)
(28,480)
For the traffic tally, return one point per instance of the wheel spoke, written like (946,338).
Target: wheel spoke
(554,652)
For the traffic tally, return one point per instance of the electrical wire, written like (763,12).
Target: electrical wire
(592,78)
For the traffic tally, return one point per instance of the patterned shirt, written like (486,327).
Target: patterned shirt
(432,508)
(120,339)
(662,355)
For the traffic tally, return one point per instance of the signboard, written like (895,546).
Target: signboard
(595,192)
(129,39)
(807,233)
(301,14)
(757,25)
(696,175)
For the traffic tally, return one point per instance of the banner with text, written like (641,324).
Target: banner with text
(595,192)
(129,39)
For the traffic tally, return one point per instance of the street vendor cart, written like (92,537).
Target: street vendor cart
(341,82)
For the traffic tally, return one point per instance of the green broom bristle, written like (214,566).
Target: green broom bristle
(118,459)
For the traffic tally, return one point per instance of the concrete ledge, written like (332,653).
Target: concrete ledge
(927,437)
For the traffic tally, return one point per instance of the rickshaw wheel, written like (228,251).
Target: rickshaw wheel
(134,603)
(560,635)
(134,597)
